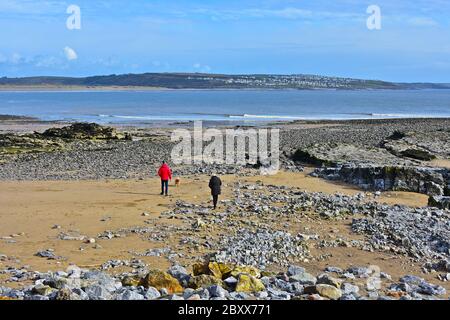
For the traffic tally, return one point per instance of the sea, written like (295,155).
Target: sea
(230,106)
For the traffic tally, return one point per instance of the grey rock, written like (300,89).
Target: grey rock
(152,293)
(295,270)
(129,295)
(349,288)
(304,279)
(217,291)
(97,292)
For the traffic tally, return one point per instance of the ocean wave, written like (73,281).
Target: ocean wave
(265,116)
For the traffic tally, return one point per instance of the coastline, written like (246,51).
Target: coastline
(27,124)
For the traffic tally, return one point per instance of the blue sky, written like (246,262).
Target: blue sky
(245,36)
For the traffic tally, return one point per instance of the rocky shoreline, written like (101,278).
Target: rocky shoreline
(218,281)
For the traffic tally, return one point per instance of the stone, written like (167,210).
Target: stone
(294,270)
(248,283)
(46,254)
(73,272)
(204,281)
(373,283)
(161,280)
(56,282)
(297,289)
(239,295)
(181,274)
(326,279)
(203,293)
(220,270)
(217,291)
(360,272)
(199,269)
(66,294)
(247,270)
(303,278)
(231,282)
(328,291)
(102,279)
(348,297)
(333,269)
(129,295)
(441,202)
(131,281)
(37,298)
(349,288)
(80,293)
(325,290)
(194,297)
(97,292)
(152,294)
(42,290)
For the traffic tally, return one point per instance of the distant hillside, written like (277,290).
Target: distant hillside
(216,81)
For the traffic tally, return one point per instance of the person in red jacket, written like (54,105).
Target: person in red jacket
(165,174)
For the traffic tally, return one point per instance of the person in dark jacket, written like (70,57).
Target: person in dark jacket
(215,185)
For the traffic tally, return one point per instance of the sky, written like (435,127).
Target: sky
(233,37)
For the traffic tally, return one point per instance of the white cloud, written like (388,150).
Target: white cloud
(47,61)
(16,58)
(35,7)
(70,54)
(422,22)
(201,68)
(290,13)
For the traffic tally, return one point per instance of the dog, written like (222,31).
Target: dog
(177,182)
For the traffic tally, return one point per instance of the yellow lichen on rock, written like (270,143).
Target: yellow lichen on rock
(245,269)
(248,283)
(131,281)
(160,280)
(204,281)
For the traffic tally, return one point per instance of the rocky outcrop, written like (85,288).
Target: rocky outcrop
(431,181)
(441,202)
(15,144)
(85,131)
(419,145)
(57,139)
(334,154)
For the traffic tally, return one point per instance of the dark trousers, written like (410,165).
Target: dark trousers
(215,199)
(165,187)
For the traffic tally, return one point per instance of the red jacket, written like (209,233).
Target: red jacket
(164,172)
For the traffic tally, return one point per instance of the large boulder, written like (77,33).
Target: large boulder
(325,290)
(161,280)
(216,269)
(248,283)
